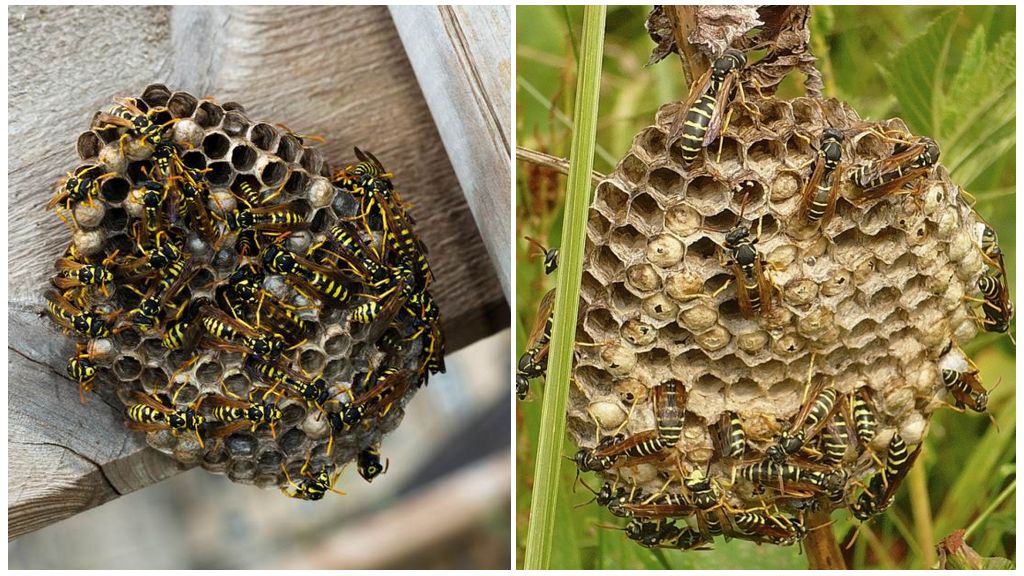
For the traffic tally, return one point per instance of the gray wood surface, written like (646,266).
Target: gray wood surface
(340,72)
(470,105)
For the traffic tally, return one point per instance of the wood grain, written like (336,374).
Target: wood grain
(461,58)
(340,72)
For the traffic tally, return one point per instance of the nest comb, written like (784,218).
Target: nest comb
(237,156)
(874,300)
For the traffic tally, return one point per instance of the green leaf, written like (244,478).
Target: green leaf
(540,540)
(914,73)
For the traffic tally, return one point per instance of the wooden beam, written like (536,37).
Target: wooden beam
(461,58)
(340,72)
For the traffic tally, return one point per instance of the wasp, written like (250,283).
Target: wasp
(534,361)
(251,223)
(393,298)
(730,437)
(87,324)
(966,389)
(669,403)
(311,486)
(754,290)
(664,534)
(349,250)
(390,385)
(768,472)
(73,274)
(433,350)
(807,423)
(835,438)
(309,277)
(371,185)
(996,304)
(236,414)
(190,205)
(312,390)
(882,486)
(82,369)
(139,122)
(237,336)
(155,257)
(864,420)
(908,162)
(148,414)
(368,463)
(243,296)
(168,285)
(82,185)
(819,197)
(151,196)
(178,331)
(706,105)
(671,505)
(758,526)
(410,250)
(550,255)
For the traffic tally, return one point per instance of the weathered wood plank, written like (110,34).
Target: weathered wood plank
(337,71)
(461,58)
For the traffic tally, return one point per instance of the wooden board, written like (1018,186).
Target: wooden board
(340,72)
(470,106)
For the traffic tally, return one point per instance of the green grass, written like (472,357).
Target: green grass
(879,59)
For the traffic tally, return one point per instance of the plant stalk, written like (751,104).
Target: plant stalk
(822,548)
(540,538)
(560,165)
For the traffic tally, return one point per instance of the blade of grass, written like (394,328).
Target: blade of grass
(540,539)
(1012,488)
(536,94)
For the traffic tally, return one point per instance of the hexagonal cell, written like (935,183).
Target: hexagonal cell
(611,197)
(243,158)
(208,114)
(632,169)
(235,123)
(182,105)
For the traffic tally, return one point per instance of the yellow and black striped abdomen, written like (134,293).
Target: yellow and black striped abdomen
(695,125)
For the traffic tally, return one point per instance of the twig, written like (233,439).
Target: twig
(560,165)
(823,551)
(684,20)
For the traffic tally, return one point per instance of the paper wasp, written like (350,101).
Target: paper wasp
(665,534)
(834,440)
(534,361)
(155,257)
(190,205)
(311,486)
(706,104)
(72,274)
(758,526)
(863,418)
(390,385)
(308,276)
(350,250)
(550,255)
(819,197)
(996,303)
(168,285)
(253,222)
(236,414)
(754,289)
(672,505)
(793,477)
(235,335)
(669,403)
(966,389)
(813,416)
(243,296)
(368,463)
(393,298)
(732,441)
(139,123)
(178,331)
(882,486)
(81,185)
(148,414)
(86,324)
(908,162)
(312,390)
(82,369)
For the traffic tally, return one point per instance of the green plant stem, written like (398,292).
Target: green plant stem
(1012,488)
(920,505)
(540,538)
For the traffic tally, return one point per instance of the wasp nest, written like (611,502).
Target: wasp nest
(257,313)
(859,315)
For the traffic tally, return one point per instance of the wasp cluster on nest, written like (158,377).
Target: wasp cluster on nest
(256,313)
(772,307)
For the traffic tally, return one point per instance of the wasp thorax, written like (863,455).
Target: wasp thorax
(815,269)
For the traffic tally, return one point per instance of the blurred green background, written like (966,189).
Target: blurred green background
(950,73)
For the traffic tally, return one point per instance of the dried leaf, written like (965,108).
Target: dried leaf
(955,554)
(659,28)
(786,34)
(719,27)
